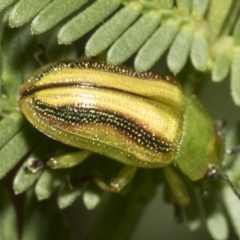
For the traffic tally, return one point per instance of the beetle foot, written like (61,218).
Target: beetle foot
(34,165)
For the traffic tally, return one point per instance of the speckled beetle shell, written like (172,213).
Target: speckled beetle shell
(139,119)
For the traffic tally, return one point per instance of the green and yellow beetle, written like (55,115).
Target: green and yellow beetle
(139,119)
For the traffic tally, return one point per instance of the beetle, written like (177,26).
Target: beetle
(139,119)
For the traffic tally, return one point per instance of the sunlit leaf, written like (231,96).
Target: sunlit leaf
(24,10)
(112,29)
(87,20)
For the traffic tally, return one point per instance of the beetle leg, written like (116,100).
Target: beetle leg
(68,160)
(177,186)
(119,183)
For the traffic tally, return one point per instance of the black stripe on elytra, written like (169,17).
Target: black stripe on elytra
(80,116)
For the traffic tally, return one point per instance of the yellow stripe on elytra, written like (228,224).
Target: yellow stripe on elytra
(161,119)
(156,89)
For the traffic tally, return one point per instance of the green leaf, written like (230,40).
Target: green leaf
(200,7)
(8,218)
(43,221)
(112,29)
(232,140)
(233,207)
(5,4)
(16,148)
(221,67)
(156,45)
(25,178)
(180,49)
(155,4)
(199,52)
(236,33)
(235,76)
(48,182)
(87,20)
(18,61)
(6,106)
(216,223)
(24,10)
(230,21)
(165,4)
(185,5)
(92,196)
(11,74)
(122,49)
(9,126)
(214,213)
(54,13)
(217,14)
(67,196)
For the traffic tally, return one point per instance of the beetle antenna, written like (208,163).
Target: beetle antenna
(233,151)
(225,177)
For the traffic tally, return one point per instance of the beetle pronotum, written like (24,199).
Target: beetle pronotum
(139,119)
